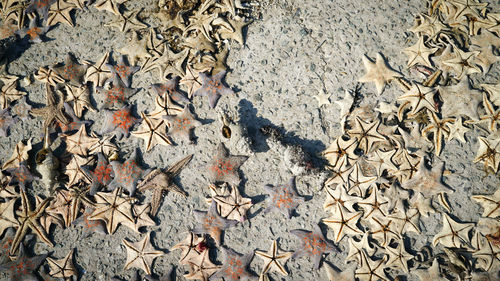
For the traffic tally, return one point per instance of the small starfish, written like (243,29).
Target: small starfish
(6,121)
(182,123)
(419,53)
(9,92)
(438,128)
(34,32)
(119,122)
(22,267)
(63,268)
(52,111)
(19,155)
(398,256)
(233,206)
(323,99)
(338,197)
(212,223)
(224,167)
(165,106)
(170,88)
(343,222)
(427,181)
(127,174)
(234,266)
(453,234)
(366,133)
(79,143)
(60,12)
(161,181)
(488,256)
(314,245)
(379,72)
(371,269)
(213,88)
(192,81)
(111,6)
(75,171)
(71,70)
(101,175)
(193,246)
(117,95)
(141,254)
(123,71)
(153,132)
(340,153)
(80,98)
(488,152)
(112,209)
(490,204)
(104,146)
(127,21)
(407,220)
(358,248)
(457,130)
(201,266)
(49,76)
(418,97)
(462,63)
(40,6)
(273,259)
(28,219)
(167,62)
(98,73)
(284,198)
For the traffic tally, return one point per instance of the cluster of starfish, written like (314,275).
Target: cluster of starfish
(382,180)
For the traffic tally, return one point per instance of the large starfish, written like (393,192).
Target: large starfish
(273,259)
(141,254)
(161,181)
(113,209)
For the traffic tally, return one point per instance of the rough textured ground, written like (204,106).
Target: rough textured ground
(295,51)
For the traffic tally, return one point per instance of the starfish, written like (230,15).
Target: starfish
(119,122)
(104,146)
(212,223)
(357,183)
(338,197)
(273,259)
(59,12)
(457,130)
(101,175)
(343,222)
(314,245)
(88,225)
(136,49)
(418,97)
(116,95)
(111,6)
(427,181)
(371,269)
(193,246)
(382,160)
(493,91)
(98,73)
(407,220)
(488,152)
(379,72)
(142,218)
(492,116)
(213,88)
(161,181)
(438,128)
(7,217)
(453,234)
(462,63)
(123,71)
(346,275)
(165,106)
(167,63)
(153,132)
(169,88)
(224,167)
(323,99)
(374,204)
(398,256)
(22,267)
(63,268)
(19,155)
(80,97)
(52,111)
(112,209)
(40,6)
(419,53)
(236,30)
(233,206)
(28,219)
(34,32)
(80,143)
(284,198)
(460,99)
(490,204)
(127,21)
(141,254)
(383,230)
(485,58)
(488,255)
(63,206)
(181,124)
(48,76)
(6,121)
(8,91)
(192,81)
(127,174)
(340,153)
(201,266)
(358,248)
(367,134)
(71,71)
(234,266)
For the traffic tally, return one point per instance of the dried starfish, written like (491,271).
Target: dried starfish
(379,72)
(141,254)
(63,268)
(161,181)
